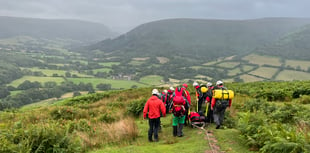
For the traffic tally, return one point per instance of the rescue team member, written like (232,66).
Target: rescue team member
(219,106)
(154,106)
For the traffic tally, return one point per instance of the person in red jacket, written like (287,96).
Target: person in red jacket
(187,108)
(219,110)
(153,107)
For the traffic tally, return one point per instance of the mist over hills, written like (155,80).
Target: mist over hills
(53,28)
(199,38)
(294,45)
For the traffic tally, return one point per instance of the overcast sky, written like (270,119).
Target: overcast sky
(123,15)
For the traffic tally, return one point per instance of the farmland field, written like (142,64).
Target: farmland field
(234,71)
(151,79)
(49,72)
(102,70)
(304,65)
(261,60)
(115,83)
(109,64)
(228,64)
(42,80)
(247,67)
(289,75)
(249,78)
(266,72)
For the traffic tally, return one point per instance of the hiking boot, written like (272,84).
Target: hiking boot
(150,140)
(218,126)
(180,130)
(175,128)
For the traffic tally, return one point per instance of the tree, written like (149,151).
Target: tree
(103,86)
(76,93)
(4,92)
(68,74)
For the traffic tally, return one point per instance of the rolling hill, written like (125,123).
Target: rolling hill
(294,45)
(53,28)
(198,38)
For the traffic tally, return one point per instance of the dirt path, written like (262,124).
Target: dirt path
(212,142)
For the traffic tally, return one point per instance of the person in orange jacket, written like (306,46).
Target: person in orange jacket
(219,111)
(153,107)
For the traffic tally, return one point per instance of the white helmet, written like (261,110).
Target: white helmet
(154,92)
(219,82)
(165,91)
(209,84)
(171,88)
(195,84)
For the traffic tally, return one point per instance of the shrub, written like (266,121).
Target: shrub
(136,107)
(107,118)
(63,113)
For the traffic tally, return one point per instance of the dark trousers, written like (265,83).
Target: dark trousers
(209,114)
(154,126)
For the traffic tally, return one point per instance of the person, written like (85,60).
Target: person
(219,110)
(178,111)
(170,95)
(197,87)
(209,112)
(187,106)
(154,106)
(202,95)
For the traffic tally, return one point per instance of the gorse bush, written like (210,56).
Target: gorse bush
(136,107)
(39,138)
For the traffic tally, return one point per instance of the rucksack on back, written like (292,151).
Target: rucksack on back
(178,108)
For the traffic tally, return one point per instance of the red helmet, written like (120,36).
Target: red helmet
(185,85)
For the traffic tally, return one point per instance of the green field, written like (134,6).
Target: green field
(234,71)
(109,64)
(262,60)
(250,78)
(50,73)
(42,80)
(151,79)
(228,64)
(266,72)
(107,70)
(304,65)
(247,67)
(117,84)
(289,75)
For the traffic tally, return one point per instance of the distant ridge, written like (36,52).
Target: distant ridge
(53,28)
(199,38)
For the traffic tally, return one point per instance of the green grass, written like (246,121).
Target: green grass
(266,72)
(234,71)
(289,75)
(304,65)
(109,64)
(230,141)
(193,141)
(249,78)
(15,92)
(151,79)
(228,64)
(102,70)
(261,60)
(126,84)
(42,80)
(49,72)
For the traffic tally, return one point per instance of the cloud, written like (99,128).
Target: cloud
(122,15)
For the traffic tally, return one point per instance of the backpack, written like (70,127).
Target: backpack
(178,108)
(222,103)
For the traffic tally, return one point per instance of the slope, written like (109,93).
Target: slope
(53,28)
(294,45)
(198,38)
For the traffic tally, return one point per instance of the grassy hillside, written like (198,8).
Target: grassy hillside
(265,117)
(52,29)
(197,38)
(294,45)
